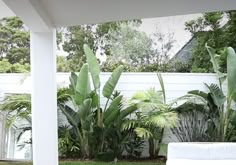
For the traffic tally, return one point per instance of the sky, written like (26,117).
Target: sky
(170,25)
(167,25)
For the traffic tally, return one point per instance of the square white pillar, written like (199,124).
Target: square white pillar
(44,98)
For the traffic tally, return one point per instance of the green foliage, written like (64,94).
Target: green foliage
(98,131)
(218,30)
(192,125)
(63,65)
(132,46)
(110,65)
(110,85)
(183,67)
(135,146)
(7,67)
(17,107)
(154,115)
(94,66)
(67,144)
(218,109)
(14,42)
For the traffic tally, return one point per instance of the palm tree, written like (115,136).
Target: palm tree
(17,107)
(153,117)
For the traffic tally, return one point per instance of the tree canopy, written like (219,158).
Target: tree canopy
(218,30)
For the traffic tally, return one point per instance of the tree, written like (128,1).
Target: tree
(130,45)
(93,35)
(218,30)
(7,67)
(14,42)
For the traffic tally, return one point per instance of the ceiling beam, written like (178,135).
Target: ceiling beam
(32,14)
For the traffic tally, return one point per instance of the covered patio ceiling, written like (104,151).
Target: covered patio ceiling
(62,13)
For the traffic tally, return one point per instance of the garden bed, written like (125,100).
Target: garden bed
(93,163)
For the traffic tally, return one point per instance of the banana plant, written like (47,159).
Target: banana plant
(220,104)
(114,118)
(85,97)
(219,98)
(109,86)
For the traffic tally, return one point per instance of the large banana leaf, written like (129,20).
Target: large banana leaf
(215,60)
(111,117)
(113,106)
(93,66)
(73,80)
(231,73)
(112,82)
(162,86)
(85,114)
(127,111)
(83,83)
(71,116)
(85,109)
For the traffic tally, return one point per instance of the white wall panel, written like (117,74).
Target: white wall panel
(176,84)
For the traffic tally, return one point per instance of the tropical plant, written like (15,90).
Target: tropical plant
(114,117)
(17,107)
(98,128)
(67,142)
(225,112)
(191,127)
(220,111)
(135,146)
(153,116)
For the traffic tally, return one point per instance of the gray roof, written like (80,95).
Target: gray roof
(185,53)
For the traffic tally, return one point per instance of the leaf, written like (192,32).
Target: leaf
(113,106)
(71,116)
(93,66)
(127,111)
(198,93)
(85,109)
(112,82)
(111,117)
(162,86)
(143,133)
(231,73)
(215,60)
(73,80)
(162,119)
(83,83)
(217,94)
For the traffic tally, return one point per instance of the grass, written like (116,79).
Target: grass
(92,163)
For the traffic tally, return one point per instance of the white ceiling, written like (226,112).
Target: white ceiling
(4,10)
(75,12)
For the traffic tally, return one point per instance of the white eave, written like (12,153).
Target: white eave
(4,10)
(44,14)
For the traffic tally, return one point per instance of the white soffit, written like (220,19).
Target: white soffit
(4,10)
(62,13)
(74,12)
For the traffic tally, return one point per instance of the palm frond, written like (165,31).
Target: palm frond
(143,133)
(162,119)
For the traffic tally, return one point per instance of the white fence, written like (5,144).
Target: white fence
(176,84)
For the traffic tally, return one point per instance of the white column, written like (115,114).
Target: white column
(44,96)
